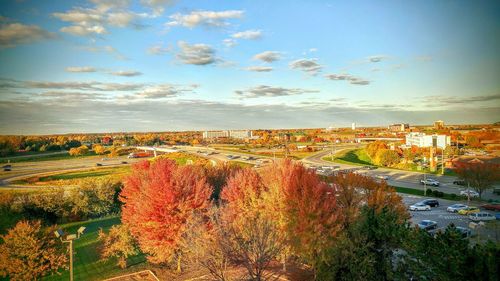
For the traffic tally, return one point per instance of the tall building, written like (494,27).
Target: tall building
(439,124)
(399,127)
(240,134)
(215,134)
(236,134)
(423,140)
(353,126)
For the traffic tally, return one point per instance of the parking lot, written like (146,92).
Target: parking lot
(444,218)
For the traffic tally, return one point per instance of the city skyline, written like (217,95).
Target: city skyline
(111,66)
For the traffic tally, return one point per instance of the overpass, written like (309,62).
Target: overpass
(157,149)
(377,139)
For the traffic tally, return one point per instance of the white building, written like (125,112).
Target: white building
(215,134)
(237,134)
(423,140)
(353,126)
(240,134)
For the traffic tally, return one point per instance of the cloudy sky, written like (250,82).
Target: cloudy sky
(160,65)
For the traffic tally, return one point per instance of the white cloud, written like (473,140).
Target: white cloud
(204,18)
(158,6)
(347,77)
(307,65)
(105,49)
(259,68)
(270,91)
(15,34)
(268,56)
(81,69)
(84,30)
(229,42)
(197,54)
(158,50)
(165,91)
(248,34)
(126,73)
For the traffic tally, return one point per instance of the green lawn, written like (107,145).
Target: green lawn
(359,157)
(352,157)
(87,264)
(86,174)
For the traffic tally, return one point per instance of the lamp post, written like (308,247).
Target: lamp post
(69,239)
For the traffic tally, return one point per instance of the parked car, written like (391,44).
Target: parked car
(124,162)
(470,193)
(430,202)
(456,207)
(459,182)
(382,177)
(481,216)
(427,225)
(98,164)
(491,207)
(497,215)
(7,168)
(430,182)
(469,210)
(420,207)
(464,231)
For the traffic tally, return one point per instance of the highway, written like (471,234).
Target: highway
(400,178)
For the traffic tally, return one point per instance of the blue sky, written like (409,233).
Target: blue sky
(102,65)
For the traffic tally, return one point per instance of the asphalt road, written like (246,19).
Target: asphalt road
(400,178)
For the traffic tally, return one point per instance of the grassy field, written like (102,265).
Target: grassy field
(352,157)
(87,174)
(41,157)
(359,157)
(87,264)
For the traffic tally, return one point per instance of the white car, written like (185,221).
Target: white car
(456,207)
(420,207)
(431,182)
(471,193)
(481,216)
(382,177)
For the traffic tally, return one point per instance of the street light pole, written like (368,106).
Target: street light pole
(69,239)
(425,184)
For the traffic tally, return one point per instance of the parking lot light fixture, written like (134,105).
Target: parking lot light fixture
(69,239)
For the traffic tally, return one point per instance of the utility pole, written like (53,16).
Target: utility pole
(425,184)
(442,160)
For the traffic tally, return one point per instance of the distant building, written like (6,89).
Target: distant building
(353,126)
(423,140)
(439,124)
(399,127)
(215,134)
(240,134)
(236,134)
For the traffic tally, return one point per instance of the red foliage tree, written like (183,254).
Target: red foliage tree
(159,199)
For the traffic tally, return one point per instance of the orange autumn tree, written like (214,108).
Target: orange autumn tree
(354,190)
(160,198)
(303,206)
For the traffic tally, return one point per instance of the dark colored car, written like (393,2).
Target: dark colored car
(491,207)
(459,182)
(431,202)
(98,164)
(7,168)
(464,231)
(427,225)
(124,162)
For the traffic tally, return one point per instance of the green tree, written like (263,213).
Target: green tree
(118,243)
(386,157)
